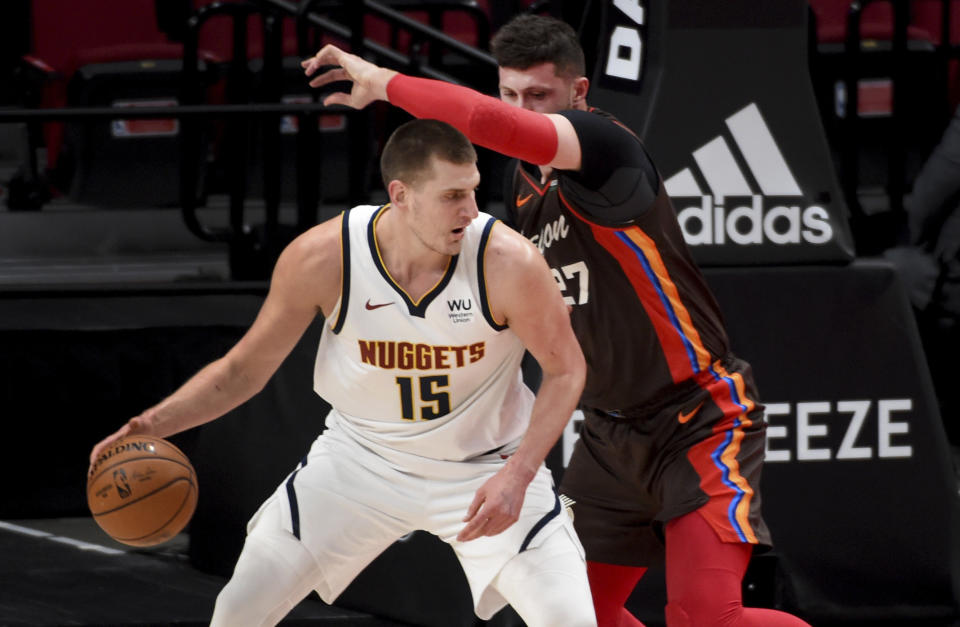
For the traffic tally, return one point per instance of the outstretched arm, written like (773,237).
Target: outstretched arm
(542,139)
(524,295)
(290,306)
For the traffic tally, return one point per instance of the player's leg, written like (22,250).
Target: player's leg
(611,586)
(704,577)
(536,564)
(321,527)
(547,585)
(613,514)
(276,570)
(708,549)
(274,573)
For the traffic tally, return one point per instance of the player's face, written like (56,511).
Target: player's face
(444,204)
(537,88)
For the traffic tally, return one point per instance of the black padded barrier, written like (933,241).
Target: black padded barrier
(77,364)
(858,487)
(722,98)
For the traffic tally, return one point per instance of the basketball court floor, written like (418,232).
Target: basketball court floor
(66,571)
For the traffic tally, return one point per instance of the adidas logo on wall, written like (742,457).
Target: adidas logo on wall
(752,196)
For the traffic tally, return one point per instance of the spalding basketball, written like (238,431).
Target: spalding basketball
(142,490)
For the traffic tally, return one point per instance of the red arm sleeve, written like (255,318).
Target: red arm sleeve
(486,121)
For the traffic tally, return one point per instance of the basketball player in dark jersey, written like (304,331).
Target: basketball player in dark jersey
(669,458)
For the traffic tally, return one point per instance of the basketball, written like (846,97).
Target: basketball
(142,490)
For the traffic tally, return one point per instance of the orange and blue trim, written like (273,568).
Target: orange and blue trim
(643,266)
(714,459)
(672,315)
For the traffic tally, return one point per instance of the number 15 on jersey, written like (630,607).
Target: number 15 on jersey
(434,397)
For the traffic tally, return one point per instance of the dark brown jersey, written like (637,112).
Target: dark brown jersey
(648,324)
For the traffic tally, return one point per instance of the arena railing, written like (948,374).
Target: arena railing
(253,255)
(900,51)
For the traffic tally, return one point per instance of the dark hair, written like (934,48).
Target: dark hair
(407,154)
(529,40)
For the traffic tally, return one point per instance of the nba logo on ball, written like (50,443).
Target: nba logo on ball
(120,480)
(142,491)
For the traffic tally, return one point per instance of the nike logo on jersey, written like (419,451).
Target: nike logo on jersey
(524,200)
(683,418)
(372,307)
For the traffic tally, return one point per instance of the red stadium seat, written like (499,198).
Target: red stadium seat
(928,14)
(65,35)
(216,36)
(877,22)
(897,88)
(877,26)
(68,37)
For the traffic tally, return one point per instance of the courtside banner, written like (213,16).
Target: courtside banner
(722,98)
(858,486)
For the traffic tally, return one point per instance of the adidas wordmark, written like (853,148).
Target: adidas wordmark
(771,215)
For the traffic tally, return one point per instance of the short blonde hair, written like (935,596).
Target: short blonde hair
(408,154)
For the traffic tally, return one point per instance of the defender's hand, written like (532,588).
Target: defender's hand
(369,80)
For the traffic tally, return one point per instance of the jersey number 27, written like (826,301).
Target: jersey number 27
(579,270)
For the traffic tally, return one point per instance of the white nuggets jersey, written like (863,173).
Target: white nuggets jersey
(434,379)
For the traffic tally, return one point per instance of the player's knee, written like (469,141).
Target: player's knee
(565,600)
(273,573)
(676,616)
(563,612)
(548,586)
(554,605)
(232,606)
(688,613)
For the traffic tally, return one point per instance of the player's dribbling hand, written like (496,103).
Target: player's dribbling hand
(495,506)
(134,426)
(369,80)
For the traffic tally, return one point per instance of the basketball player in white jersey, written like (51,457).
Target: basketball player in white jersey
(429,306)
